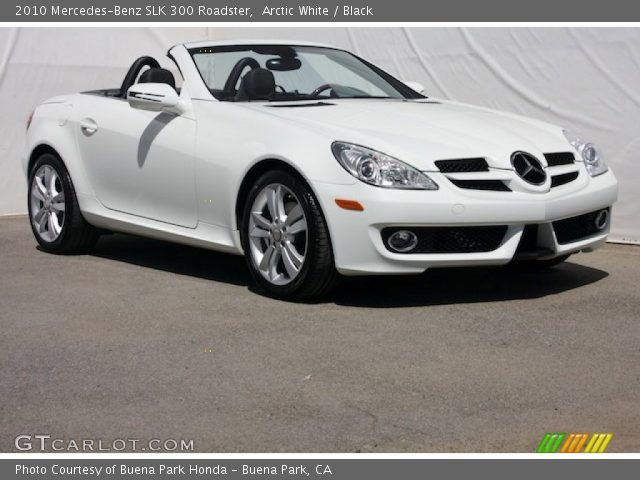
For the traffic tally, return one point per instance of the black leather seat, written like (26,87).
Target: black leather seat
(257,84)
(158,75)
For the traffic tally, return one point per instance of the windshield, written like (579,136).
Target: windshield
(298,72)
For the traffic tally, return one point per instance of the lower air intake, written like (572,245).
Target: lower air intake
(576,228)
(451,239)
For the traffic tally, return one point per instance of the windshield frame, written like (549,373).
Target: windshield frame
(405,92)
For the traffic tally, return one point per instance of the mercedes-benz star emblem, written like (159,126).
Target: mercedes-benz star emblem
(528,168)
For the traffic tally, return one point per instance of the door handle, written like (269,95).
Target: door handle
(88,126)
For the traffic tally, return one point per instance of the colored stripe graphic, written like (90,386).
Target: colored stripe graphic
(591,443)
(580,443)
(605,442)
(598,443)
(569,443)
(573,442)
(551,442)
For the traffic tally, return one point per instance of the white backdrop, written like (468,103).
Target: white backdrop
(586,79)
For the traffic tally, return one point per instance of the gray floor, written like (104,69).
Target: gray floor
(145,339)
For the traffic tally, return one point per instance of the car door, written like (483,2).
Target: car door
(139,162)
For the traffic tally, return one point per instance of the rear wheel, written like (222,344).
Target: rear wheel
(54,214)
(286,240)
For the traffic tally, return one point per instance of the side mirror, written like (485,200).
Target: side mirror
(418,87)
(155,97)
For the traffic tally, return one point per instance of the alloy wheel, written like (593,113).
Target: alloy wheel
(278,234)
(47,203)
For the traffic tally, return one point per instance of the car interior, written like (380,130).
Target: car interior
(143,70)
(259,84)
(256,84)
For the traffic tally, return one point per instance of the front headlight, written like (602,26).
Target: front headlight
(590,154)
(376,168)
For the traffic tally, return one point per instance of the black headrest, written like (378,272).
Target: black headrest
(158,75)
(134,70)
(257,84)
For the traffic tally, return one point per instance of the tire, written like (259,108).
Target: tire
(533,265)
(282,275)
(54,213)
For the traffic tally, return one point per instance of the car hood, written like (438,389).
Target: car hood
(421,132)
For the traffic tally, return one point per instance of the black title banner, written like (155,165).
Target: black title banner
(317,11)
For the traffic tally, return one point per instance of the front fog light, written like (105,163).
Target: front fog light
(602,219)
(402,241)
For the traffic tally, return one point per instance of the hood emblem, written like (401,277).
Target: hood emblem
(528,168)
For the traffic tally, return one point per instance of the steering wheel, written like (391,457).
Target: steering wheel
(322,88)
(236,72)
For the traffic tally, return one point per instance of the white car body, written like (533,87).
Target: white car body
(177,175)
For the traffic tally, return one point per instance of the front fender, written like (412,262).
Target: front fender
(53,125)
(232,139)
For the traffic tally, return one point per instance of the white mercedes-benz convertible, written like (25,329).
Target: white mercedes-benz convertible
(312,162)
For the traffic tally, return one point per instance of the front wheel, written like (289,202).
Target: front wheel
(54,213)
(286,240)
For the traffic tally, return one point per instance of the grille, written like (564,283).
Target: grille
(575,228)
(558,180)
(495,185)
(462,165)
(452,239)
(559,158)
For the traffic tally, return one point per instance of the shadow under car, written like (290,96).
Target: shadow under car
(434,287)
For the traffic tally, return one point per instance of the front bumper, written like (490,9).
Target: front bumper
(356,236)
